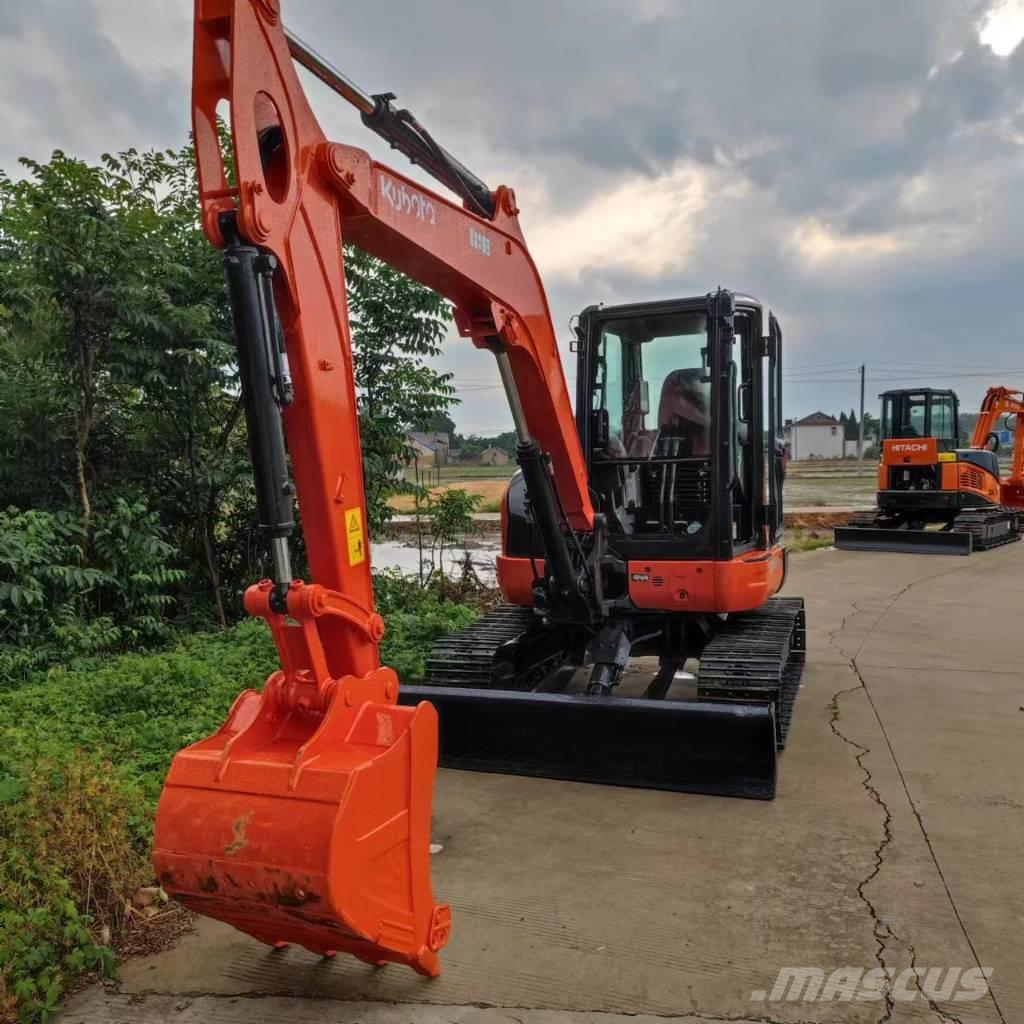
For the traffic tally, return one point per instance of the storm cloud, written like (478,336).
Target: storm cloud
(856,163)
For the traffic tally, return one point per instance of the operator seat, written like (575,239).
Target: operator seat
(683,411)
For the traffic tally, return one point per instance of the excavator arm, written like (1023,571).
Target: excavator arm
(998,403)
(306,817)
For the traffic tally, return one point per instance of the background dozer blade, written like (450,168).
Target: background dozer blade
(936,542)
(712,747)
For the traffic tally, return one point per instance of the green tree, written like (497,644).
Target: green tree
(438,422)
(852,427)
(397,327)
(77,283)
(120,382)
(116,318)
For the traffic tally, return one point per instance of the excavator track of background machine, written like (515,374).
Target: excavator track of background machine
(988,527)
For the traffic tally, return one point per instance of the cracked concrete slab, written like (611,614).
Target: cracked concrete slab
(894,841)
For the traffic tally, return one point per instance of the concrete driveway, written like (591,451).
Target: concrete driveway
(896,842)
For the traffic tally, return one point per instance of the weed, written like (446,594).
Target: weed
(807,540)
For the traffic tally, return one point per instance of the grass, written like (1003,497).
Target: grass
(797,540)
(84,756)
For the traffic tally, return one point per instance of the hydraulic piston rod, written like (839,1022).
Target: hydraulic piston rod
(305,55)
(399,129)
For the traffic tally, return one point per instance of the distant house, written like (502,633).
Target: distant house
(494,457)
(818,436)
(429,448)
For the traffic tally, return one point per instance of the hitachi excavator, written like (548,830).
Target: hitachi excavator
(933,495)
(647,524)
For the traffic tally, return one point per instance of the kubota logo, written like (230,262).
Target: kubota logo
(407,201)
(910,447)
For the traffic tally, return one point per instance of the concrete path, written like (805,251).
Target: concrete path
(896,841)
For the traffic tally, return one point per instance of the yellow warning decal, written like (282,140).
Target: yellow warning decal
(354,532)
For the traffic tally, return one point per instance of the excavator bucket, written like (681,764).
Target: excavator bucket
(714,747)
(936,542)
(309,826)
(309,832)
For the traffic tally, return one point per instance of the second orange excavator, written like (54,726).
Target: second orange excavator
(1000,404)
(934,496)
(648,523)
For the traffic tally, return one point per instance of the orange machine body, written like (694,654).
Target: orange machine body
(968,478)
(731,585)
(999,403)
(921,451)
(738,585)
(306,817)
(954,475)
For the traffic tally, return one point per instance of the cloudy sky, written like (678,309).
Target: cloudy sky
(858,164)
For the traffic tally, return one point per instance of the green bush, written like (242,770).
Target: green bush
(84,758)
(57,604)
(415,617)
(85,752)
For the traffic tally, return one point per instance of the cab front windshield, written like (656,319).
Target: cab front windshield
(652,381)
(920,415)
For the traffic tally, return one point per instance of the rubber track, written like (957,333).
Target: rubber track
(869,519)
(508,648)
(758,657)
(979,524)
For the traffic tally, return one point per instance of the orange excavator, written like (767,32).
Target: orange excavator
(635,527)
(999,404)
(933,496)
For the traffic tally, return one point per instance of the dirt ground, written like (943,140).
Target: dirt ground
(894,844)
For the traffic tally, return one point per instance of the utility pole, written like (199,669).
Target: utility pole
(860,427)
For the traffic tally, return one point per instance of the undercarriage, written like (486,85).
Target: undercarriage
(512,696)
(974,529)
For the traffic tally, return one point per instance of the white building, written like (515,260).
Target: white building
(817,436)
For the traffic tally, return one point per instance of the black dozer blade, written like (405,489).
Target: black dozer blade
(713,747)
(936,542)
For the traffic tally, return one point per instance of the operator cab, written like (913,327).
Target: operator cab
(661,388)
(927,413)
(923,412)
